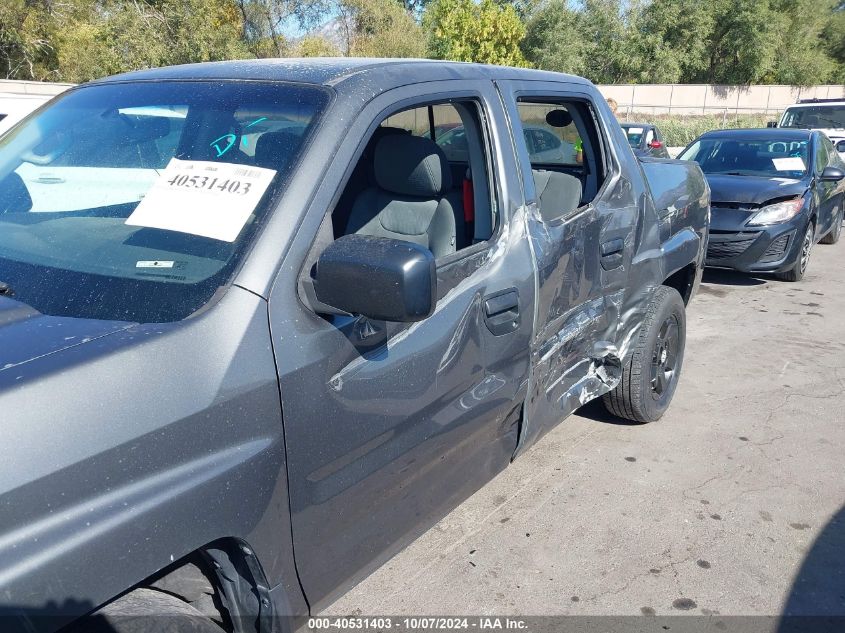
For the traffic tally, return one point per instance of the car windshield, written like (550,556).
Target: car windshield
(815,117)
(135,201)
(744,157)
(634,134)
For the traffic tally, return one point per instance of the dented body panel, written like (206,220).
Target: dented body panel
(328,442)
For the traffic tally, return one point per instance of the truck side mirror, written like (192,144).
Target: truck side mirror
(840,147)
(832,174)
(771,123)
(380,278)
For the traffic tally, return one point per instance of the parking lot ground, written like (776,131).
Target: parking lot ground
(731,504)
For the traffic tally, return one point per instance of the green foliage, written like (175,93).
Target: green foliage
(77,40)
(315,46)
(834,36)
(796,42)
(608,41)
(26,40)
(468,31)
(553,39)
(384,28)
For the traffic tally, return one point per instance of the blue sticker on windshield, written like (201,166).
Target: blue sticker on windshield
(244,140)
(217,144)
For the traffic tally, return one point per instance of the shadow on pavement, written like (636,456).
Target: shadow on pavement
(816,601)
(594,410)
(733,278)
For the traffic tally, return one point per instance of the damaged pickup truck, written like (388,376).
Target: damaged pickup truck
(263,323)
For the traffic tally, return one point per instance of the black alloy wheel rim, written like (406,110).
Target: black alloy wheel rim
(806,247)
(665,358)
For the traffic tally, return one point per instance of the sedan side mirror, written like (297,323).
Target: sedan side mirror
(840,147)
(380,278)
(771,123)
(832,174)
(655,144)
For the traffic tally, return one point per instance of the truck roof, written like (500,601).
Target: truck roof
(384,73)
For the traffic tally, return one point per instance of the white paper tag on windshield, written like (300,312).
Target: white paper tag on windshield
(635,130)
(791,163)
(203,198)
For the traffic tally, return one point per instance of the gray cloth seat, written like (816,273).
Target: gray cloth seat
(557,193)
(411,199)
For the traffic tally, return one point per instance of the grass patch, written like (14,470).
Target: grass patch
(679,131)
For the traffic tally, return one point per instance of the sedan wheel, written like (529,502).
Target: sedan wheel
(833,235)
(665,356)
(796,273)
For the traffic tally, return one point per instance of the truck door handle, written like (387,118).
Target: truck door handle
(501,311)
(611,253)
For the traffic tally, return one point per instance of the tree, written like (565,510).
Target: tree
(464,30)
(315,46)
(593,40)
(553,39)
(114,36)
(806,56)
(263,22)
(383,28)
(832,35)
(26,40)
(669,40)
(690,41)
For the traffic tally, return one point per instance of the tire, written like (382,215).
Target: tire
(654,365)
(799,268)
(146,611)
(835,232)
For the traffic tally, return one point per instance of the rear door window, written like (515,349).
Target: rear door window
(553,141)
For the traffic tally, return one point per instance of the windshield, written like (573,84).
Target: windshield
(134,201)
(815,117)
(741,157)
(635,135)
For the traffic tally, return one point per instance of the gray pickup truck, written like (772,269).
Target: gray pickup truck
(263,323)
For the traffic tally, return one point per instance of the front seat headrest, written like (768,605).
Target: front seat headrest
(411,166)
(274,150)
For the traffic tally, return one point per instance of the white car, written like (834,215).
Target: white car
(826,115)
(14,107)
(543,146)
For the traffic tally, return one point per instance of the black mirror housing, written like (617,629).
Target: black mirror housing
(380,278)
(832,174)
(771,123)
(840,147)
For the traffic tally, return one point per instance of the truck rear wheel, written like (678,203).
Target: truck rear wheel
(654,364)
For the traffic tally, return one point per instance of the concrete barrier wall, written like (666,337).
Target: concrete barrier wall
(693,99)
(9,87)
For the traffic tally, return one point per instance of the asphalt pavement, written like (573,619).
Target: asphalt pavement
(731,504)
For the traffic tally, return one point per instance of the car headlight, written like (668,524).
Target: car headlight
(777,212)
